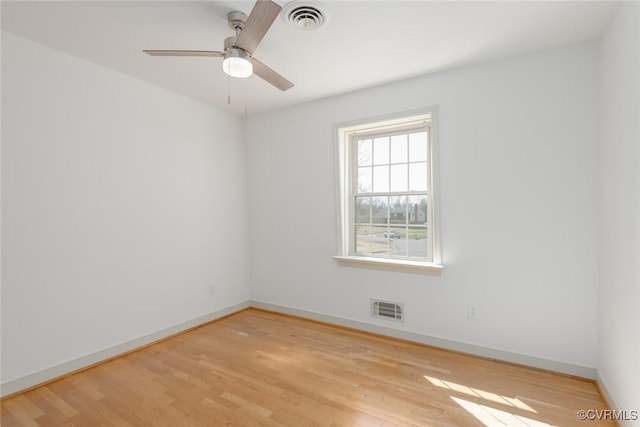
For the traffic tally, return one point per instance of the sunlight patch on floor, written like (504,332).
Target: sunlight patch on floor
(493,397)
(492,417)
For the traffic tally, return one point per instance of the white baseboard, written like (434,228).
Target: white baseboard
(610,401)
(520,359)
(57,371)
(48,374)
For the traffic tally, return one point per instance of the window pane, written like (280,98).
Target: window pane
(363,243)
(380,212)
(380,244)
(364,152)
(417,210)
(399,149)
(399,177)
(364,180)
(418,176)
(380,178)
(381,151)
(417,242)
(379,239)
(418,147)
(398,210)
(399,244)
(362,210)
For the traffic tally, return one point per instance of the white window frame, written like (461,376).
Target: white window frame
(345,160)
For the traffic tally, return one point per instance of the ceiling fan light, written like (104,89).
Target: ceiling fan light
(237,64)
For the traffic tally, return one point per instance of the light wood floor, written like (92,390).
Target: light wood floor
(261,368)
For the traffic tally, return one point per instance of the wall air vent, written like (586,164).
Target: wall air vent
(306,15)
(387,310)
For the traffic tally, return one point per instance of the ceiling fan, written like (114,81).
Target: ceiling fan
(238,50)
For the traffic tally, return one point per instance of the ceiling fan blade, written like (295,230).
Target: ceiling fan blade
(259,21)
(183,53)
(270,76)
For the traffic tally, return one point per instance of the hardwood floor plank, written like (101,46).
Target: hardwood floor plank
(24,411)
(258,368)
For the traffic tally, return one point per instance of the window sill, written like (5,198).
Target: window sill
(390,264)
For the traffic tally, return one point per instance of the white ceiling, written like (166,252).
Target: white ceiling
(363,44)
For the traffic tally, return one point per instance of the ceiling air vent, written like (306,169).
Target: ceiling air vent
(306,15)
(387,310)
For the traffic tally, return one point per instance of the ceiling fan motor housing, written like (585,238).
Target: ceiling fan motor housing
(230,42)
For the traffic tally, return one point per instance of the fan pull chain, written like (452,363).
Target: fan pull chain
(246,93)
(238,29)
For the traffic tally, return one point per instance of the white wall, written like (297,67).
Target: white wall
(619,367)
(519,221)
(122,203)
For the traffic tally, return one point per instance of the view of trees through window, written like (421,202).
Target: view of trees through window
(391,195)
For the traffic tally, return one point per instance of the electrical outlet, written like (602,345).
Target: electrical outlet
(472,312)
(212,289)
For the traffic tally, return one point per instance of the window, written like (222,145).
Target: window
(387,201)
